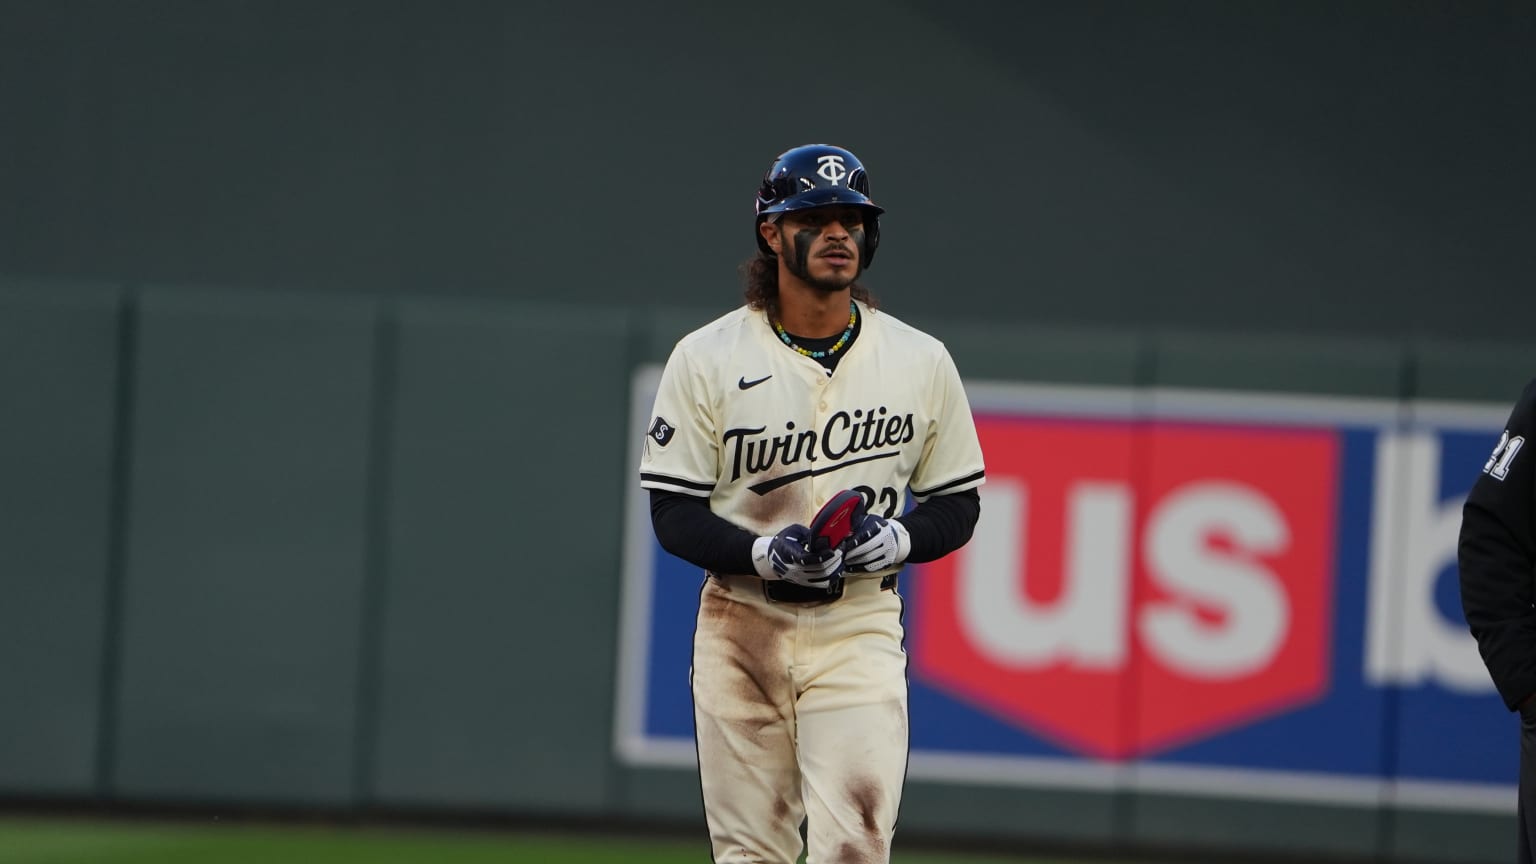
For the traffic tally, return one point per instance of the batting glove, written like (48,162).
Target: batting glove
(787,556)
(876,544)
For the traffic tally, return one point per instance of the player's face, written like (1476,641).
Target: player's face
(821,245)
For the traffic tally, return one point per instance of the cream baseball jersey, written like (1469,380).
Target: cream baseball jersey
(768,436)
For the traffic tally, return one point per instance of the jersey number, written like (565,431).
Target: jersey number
(1503,455)
(886,498)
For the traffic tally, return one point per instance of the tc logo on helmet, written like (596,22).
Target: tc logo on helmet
(1179,574)
(832,167)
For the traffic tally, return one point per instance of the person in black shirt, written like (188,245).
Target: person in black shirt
(1496,555)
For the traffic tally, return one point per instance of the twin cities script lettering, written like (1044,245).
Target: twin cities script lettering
(844,435)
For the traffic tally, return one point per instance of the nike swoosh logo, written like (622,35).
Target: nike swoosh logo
(748,385)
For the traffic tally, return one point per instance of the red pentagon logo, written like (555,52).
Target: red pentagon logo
(1133,586)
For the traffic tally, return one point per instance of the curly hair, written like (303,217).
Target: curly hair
(760,279)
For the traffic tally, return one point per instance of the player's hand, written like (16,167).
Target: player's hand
(876,544)
(787,556)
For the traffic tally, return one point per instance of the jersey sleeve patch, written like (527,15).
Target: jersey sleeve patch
(661,431)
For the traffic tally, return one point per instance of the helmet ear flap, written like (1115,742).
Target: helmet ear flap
(858,181)
(871,240)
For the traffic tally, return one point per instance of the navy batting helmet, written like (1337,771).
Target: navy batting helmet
(818,175)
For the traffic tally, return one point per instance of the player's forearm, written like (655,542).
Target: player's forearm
(687,528)
(941,525)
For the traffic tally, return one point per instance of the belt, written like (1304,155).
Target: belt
(806,595)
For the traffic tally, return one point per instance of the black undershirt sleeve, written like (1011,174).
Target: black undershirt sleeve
(687,528)
(941,524)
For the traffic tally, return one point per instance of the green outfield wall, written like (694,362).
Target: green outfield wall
(346,552)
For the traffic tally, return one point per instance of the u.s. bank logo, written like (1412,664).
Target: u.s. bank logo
(1224,594)
(832,167)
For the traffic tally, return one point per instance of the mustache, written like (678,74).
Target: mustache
(835,250)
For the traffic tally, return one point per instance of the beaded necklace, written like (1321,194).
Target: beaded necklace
(853,318)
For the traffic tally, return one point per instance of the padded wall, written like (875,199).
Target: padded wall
(59,374)
(246,548)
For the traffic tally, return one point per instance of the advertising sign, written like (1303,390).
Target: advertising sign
(1203,592)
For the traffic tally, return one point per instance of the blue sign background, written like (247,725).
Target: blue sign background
(1354,730)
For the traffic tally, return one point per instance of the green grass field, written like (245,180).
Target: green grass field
(67,841)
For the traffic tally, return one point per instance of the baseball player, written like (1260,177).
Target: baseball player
(761,417)
(1496,556)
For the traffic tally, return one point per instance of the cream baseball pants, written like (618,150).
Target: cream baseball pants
(800,712)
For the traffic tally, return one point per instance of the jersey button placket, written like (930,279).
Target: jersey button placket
(821,425)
